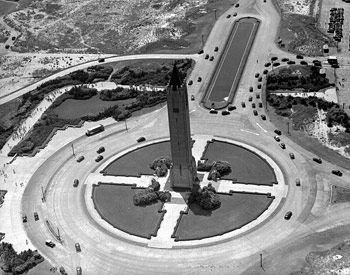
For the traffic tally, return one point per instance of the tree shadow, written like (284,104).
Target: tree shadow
(198,210)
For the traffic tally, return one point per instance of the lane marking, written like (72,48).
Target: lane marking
(261,127)
(250,132)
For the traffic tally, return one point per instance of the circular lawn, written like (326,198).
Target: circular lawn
(115,205)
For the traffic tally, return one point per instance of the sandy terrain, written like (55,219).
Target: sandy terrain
(295,6)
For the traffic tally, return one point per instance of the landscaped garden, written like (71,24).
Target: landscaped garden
(247,167)
(138,162)
(115,205)
(236,210)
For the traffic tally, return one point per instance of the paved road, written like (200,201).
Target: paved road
(103,253)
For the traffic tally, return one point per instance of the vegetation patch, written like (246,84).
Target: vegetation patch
(216,170)
(151,194)
(161,165)
(206,197)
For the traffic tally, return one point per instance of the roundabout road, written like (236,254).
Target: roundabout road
(103,253)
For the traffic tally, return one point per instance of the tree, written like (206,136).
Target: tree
(206,197)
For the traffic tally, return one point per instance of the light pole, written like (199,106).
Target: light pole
(43,194)
(288,128)
(73,149)
(215,14)
(261,262)
(126,126)
(202,40)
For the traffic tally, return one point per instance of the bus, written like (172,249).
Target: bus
(95,130)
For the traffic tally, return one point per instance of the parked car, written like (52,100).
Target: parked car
(192,97)
(260,105)
(80,159)
(228,16)
(291,62)
(250,98)
(225,112)
(141,139)
(274,58)
(235,14)
(100,150)
(297,182)
(299,56)
(255,112)
(267,64)
(337,172)
(199,79)
(77,247)
(257,96)
(216,49)
(263,117)
(79,272)
(99,158)
(76,183)
(211,58)
(285,59)
(250,89)
(282,145)
(24,218)
(206,56)
(190,82)
(231,107)
(253,105)
(318,160)
(50,243)
(257,75)
(276,64)
(303,62)
(288,215)
(213,111)
(278,132)
(260,78)
(291,155)
(36,216)
(237,5)
(201,51)
(265,71)
(243,104)
(259,86)
(277,138)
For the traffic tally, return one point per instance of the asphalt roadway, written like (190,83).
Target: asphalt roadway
(103,253)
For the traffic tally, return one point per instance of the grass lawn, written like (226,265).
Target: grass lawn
(340,194)
(235,211)
(137,162)
(247,167)
(115,205)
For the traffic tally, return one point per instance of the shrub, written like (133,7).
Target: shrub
(203,166)
(155,185)
(161,165)
(206,197)
(164,196)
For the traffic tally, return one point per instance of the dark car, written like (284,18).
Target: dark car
(299,56)
(237,5)
(80,159)
(100,150)
(255,112)
(190,82)
(260,105)
(259,86)
(285,59)
(291,155)
(268,64)
(206,56)
(99,158)
(303,62)
(200,51)
(318,160)
(192,97)
(291,62)
(250,98)
(76,183)
(199,79)
(228,16)
(253,105)
(297,182)
(36,216)
(231,108)
(141,139)
(24,218)
(250,89)
(263,117)
(213,111)
(257,96)
(265,71)
(260,78)
(337,172)
(276,64)
(216,49)
(274,58)
(235,14)
(277,138)
(211,58)
(278,132)
(79,272)
(77,247)
(288,215)
(257,75)
(225,113)
(50,243)
(243,104)
(282,145)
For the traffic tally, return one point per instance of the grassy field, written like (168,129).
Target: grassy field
(247,167)
(137,162)
(235,211)
(115,205)
(340,194)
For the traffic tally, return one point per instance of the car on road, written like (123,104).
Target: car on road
(253,105)
(260,105)
(243,104)
(225,112)
(274,58)
(24,218)
(318,160)
(257,96)
(99,158)
(291,62)
(291,155)
(211,58)
(216,49)
(192,97)
(213,111)
(297,182)
(288,215)
(255,112)
(263,117)
(80,159)
(285,59)
(36,216)
(77,247)
(79,271)
(75,183)
(260,78)
(282,145)
(250,98)
(265,71)
(303,62)
(100,150)
(199,79)
(259,86)
(206,56)
(251,89)
(190,82)
(277,138)
(276,64)
(200,51)
(228,16)
(237,5)
(267,64)
(231,108)
(50,243)
(337,172)
(257,75)
(278,132)
(299,56)
(141,139)
(235,14)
